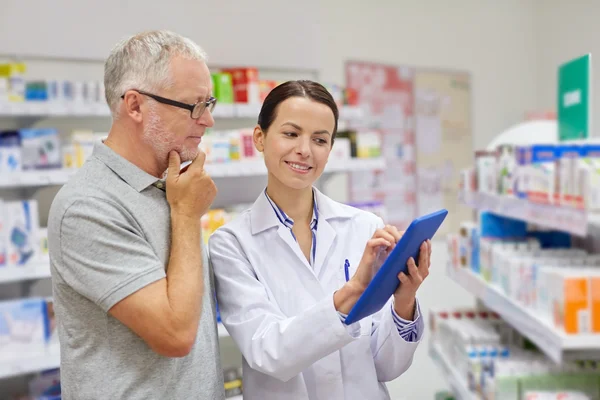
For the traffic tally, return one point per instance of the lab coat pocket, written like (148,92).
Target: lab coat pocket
(366,326)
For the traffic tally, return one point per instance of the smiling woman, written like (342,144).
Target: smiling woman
(289,269)
(295,132)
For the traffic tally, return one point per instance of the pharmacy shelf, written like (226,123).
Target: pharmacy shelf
(50,359)
(51,109)
(457,383)
(565,219)
(556,344)
(31,271)
(216,170)
(41,177)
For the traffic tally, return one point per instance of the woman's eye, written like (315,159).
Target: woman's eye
(290,134)
(321,141)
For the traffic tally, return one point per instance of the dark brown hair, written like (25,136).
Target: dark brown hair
(302,88)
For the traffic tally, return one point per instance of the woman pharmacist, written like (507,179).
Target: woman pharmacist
(280,270)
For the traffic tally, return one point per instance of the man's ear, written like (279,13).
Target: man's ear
(132,106)
(259,137)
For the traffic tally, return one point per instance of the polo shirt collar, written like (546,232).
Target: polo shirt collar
(130,173)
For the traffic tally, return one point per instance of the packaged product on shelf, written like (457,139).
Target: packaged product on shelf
(595,301)
(337,92)
(469,245)
(223,87)
(368,144)
(552,395)
(10,152)
(453,248)
(265,88)
(45,385)
(587,182)
(521,175)
(485,164)
(491,359)
(83,145)
(233,382)
(542,173)
(3,91)
(40,148)
(14,74)
(350,97)
(567,160)
(36,91)
(51,334)
(91,92)
(247,151)
(219,148)
(41,252)
(352,136)
(341,150)
(234,145)
(505,168)
(3,234)
(245,85)
(22,221)
(69,156)
(23,328)
(570,293)
(468,184)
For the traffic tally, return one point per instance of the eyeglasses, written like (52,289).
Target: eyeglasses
(195,110)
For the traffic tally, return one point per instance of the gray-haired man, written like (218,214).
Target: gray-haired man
(131,281)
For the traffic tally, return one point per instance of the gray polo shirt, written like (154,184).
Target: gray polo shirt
(109,236)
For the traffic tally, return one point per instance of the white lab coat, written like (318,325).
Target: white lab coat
(280,312)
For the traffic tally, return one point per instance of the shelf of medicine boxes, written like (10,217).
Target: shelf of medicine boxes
(31,271)
(25,364)
(556,344)
(457,383)
(562,218)
(41,270)
(49,359)
(51,109)
(46,177)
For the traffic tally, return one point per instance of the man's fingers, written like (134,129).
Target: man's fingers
(198,162)
(174,165)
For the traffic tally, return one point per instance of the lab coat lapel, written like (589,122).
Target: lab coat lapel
(262,217)
(287,237)
(325,238)
(329,211)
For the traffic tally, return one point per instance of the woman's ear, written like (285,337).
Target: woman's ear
(259,137)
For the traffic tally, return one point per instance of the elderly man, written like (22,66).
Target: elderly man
(132,287)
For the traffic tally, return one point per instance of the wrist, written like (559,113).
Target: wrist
(405,307)
(345,298)
(185,218)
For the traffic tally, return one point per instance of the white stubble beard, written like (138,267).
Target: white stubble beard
(159,139)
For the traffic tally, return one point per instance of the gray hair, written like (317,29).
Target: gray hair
(142,62)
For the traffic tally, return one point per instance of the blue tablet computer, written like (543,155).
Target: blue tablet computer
(385,282)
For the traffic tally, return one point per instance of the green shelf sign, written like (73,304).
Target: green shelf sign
(575,99)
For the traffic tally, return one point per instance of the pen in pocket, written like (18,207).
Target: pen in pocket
(347,269)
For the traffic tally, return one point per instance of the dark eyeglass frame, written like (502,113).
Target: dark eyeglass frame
(210,103)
